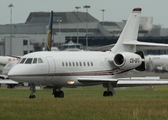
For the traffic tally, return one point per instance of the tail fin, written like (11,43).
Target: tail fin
(129,33)
(49,33)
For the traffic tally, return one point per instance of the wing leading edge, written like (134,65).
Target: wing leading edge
(127,82)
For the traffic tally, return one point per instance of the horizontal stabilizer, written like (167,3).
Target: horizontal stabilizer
(144,43)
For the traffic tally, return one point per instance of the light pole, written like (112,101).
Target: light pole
(86,6)
(77,7)
(59,22)
(102,15)
(11,5)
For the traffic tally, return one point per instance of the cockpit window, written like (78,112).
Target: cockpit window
(23,60)
(35,61)
(31,60)
(28,61)
(40,60)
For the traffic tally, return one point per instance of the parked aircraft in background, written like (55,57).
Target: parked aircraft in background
(157,63)
(6,59)
(86,68)
(8,66)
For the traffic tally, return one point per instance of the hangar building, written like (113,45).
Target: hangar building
(23,38)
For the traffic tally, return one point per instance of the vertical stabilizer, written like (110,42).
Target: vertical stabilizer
(129,33)
(49,33)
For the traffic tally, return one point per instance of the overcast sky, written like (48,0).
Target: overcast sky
(116,10)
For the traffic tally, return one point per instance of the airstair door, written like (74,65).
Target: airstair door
(51,68)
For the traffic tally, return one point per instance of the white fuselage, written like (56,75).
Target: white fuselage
(59,68)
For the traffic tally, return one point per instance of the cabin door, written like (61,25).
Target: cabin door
(51,68)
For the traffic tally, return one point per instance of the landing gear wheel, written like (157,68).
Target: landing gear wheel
(61,94)
(56,94)
(110,93)
(107,93)
(110,90)
(32,96)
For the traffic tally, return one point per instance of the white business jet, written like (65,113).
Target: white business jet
(86,68)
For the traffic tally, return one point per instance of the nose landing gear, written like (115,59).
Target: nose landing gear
(33,90)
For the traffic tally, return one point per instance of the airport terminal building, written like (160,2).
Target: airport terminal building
(23,38)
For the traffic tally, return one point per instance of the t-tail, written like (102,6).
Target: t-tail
(125,48)
(127,41)
(49,33)
(129,33)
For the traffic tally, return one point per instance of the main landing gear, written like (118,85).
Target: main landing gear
(110,91)
(33,90)
(57,92)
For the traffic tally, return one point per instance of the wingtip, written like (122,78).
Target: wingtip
(137,9)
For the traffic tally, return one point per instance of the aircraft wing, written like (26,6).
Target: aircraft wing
(95,80)
(127,82)
(7,81)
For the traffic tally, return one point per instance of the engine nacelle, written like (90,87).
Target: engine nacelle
(126,60)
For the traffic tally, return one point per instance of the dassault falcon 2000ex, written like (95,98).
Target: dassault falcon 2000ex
(86,68)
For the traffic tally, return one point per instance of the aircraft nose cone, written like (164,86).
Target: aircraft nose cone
(10,74)
(13,72)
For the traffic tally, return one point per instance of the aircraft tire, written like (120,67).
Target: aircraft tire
(110,93)
(105,94)
(61,94)
(56,94)
(32,96)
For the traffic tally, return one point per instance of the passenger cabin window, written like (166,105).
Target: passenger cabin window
(35,61)
(28,61)
(40,60)
(69,63)
(73,64)
(88,63)
(84,64)
(77,63)
(23,60)
(62,63)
